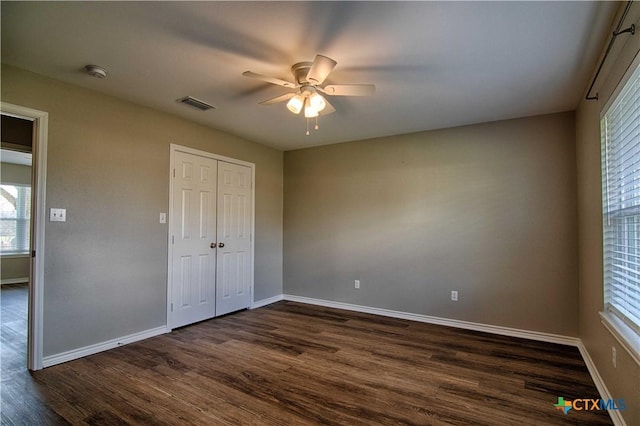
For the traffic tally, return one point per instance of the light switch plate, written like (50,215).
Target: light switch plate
(163,218)
(58,215)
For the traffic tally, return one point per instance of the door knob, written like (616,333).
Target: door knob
(220,245)
(212,245)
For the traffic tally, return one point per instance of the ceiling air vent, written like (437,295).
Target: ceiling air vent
(195,103)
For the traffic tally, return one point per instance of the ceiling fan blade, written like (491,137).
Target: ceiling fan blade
(277,99)
(320,69)
(349,89)
(271,80)
(328,109)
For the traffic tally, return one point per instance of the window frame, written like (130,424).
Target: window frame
(25,229)
(623,329)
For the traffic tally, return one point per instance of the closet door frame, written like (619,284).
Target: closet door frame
(170,231)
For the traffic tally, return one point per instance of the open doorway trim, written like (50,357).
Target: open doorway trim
(36,284)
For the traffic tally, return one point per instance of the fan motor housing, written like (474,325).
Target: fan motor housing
(300,71)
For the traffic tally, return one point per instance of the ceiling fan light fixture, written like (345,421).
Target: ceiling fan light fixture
(310,94)
(317,101)
(310,113)
(309,110)
(295,104)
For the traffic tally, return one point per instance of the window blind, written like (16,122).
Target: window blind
(15,216)
(620,135)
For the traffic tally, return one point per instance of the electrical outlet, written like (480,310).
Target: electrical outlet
(357,283)
(454,295)
(614,357)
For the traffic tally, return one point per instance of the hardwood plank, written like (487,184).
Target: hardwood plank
(290,363)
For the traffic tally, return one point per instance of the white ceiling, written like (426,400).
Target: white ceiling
(435,64)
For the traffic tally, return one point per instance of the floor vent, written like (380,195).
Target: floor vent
(196,103)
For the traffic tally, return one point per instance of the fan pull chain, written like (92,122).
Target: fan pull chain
(307,127)
(317,127)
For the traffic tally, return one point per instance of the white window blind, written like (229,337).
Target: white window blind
(620,134)
(15,216)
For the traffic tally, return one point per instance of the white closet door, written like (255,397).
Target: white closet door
(194,230)
(234,263)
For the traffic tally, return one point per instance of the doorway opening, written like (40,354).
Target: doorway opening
(22,212)
(15,239)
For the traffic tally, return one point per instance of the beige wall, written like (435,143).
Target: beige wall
(15,174)
(623,381)
(108,165)
(488,210)
(14,267)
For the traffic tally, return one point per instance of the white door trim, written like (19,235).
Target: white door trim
(36,293)
(173,148)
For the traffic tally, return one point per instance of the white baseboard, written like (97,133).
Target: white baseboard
(50,360)
(504,331)
(14,280)
(265,302)
(616,416)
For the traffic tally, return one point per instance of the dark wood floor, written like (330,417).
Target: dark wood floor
(294,364)
(13,335)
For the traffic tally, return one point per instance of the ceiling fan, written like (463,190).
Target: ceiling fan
(309,77)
